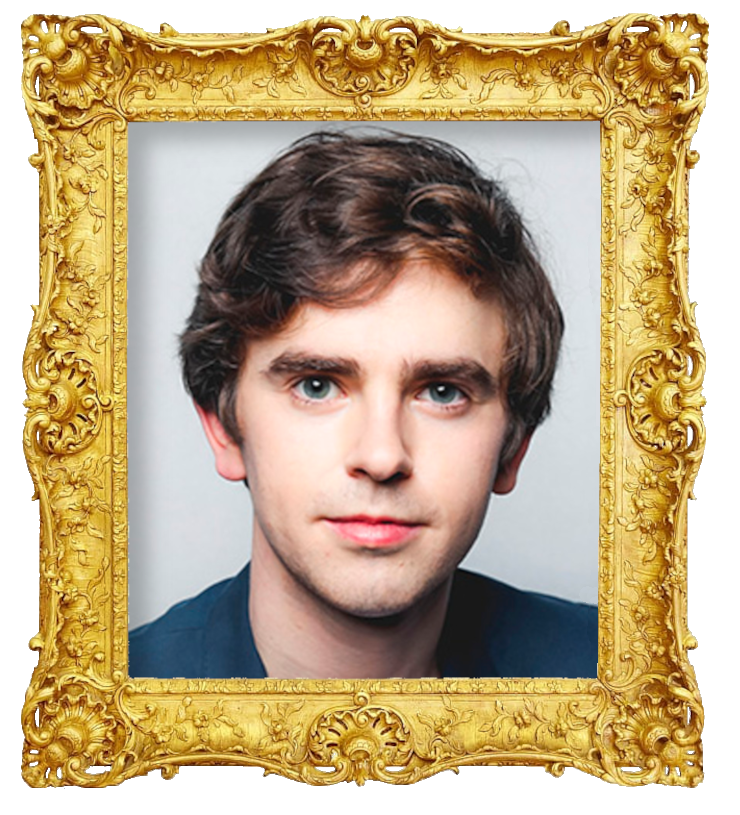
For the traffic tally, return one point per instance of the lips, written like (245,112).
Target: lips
(374,532)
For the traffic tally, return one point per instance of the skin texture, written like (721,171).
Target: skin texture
(370,439)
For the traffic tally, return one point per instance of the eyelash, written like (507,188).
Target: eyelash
(307,400)
(462,400)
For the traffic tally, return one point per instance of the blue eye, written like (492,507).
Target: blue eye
(442,393)
(316,388)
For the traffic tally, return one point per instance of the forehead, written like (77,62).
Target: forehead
(427,312)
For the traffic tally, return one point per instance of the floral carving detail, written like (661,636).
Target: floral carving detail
(643,618)
(283,732)
(81,170)
(206,726)
(561,726)
(566,74)
(532,723)
(70,64)
(444,742)
(360,742)
(164,73)
(441,72)
(653,67)
(152,77)
(152,721)
(651,278)
(283,72)
(654,156)
(515,726)
(364,59)
(75,731)
(74,500)
(74,268)
(647,190)
(74,576)
(563,73)
(79,300)
(664,400)
(200,75)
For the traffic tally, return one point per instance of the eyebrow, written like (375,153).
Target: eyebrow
(457,370)
(291,362)
(462,369)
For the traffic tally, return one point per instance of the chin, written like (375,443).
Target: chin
(373,590)
(385,614)
(370,606)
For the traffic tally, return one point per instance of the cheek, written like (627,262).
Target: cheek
(285,457)
(467,454)
(467,480)
(460,477)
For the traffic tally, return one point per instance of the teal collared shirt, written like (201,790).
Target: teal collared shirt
(491,630)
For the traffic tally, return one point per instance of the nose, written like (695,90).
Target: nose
(379,449)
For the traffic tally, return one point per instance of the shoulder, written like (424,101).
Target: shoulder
(519,633)
(177,644)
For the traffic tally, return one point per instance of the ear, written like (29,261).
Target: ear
(228,454)
(506,476)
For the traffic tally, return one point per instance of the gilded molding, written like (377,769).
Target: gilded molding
(365,59)
(644,78)
(664,402)
(653,67)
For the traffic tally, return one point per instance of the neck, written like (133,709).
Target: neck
(298,635)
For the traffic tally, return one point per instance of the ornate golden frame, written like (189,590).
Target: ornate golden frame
(85,721)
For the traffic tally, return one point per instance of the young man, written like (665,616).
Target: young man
(372,346)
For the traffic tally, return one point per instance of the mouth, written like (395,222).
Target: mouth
(374,531)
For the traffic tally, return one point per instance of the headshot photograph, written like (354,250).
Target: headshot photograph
(363,399)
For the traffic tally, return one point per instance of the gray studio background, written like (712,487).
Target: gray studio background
(188,528)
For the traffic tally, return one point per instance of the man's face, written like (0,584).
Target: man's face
(371,439)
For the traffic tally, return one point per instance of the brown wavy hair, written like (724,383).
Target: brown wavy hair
(332,221)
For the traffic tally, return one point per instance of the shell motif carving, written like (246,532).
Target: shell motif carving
(364,59)
(661,735)
(664,401)
(68,64)
(68,732)
(360,742)
(653,66)
(66,410)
